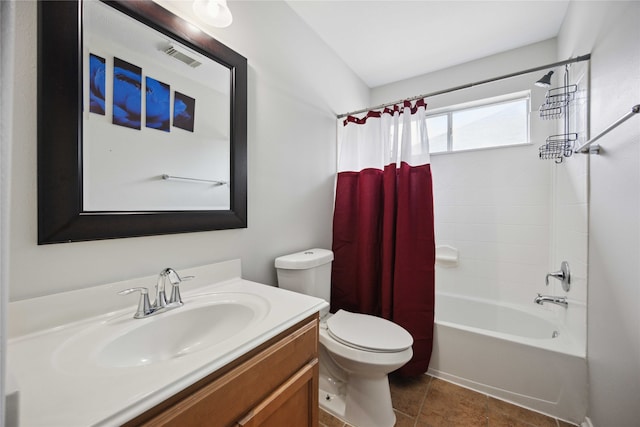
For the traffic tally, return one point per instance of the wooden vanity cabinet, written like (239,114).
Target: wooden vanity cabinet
(276,384)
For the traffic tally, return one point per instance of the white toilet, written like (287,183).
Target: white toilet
(357,351)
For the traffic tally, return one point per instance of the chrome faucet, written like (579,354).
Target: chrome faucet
(175,300)
(144,307)
(160,305)
(563,275)
(541,299)
(161,296)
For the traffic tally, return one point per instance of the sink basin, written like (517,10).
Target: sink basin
(123,342)
(176,335)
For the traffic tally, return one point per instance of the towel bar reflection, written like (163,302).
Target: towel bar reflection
(183,178)
(587,146)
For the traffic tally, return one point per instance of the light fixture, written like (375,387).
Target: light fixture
(545,81)
(213,12)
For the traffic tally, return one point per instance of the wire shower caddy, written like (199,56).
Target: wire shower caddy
(557,101)
(557,106)
(557,147)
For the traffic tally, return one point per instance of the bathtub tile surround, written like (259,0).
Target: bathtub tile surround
(569,235)
(431,402)
(499,221)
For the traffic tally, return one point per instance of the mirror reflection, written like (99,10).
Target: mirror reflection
(156,119)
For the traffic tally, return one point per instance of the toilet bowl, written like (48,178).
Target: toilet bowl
(365,364)
(357,351)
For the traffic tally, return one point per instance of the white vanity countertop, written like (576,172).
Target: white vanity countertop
(52,394)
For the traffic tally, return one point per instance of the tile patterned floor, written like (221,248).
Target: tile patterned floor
(431,402)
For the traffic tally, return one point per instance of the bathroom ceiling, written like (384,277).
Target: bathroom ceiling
(392,40)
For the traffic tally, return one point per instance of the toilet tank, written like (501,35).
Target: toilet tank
(307,272)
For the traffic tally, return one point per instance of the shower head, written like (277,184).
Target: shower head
(545,81)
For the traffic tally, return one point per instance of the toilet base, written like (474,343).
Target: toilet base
(369,402)
(366,403)
(332,403)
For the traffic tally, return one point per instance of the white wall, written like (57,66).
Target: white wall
(7,31)
(296,86)
(611,31)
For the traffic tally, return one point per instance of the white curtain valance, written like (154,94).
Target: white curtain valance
(380,138)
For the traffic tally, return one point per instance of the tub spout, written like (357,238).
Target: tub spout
(541,299)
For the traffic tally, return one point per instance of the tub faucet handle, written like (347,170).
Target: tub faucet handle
(563,275)
(556,275)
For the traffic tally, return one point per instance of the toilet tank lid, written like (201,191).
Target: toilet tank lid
(305,259)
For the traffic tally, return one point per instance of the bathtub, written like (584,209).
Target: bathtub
(520,354)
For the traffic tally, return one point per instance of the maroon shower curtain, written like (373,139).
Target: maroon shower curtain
(384,250)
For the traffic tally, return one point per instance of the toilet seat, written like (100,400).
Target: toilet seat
(368,333)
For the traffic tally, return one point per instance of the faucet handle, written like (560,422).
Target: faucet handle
(556,275)
(563,275)
(175,298)
(173,276)
(144,306)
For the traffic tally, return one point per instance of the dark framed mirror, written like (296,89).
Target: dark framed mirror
(173,161)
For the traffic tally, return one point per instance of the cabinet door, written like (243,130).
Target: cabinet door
(294,403)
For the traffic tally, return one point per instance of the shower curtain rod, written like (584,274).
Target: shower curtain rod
(469,85)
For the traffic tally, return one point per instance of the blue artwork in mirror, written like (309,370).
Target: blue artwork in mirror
(127,98)
(184,108)
(97,83)
(158,109)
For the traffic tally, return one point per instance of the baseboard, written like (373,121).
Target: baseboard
(587,422)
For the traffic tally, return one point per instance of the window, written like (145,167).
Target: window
(494,122)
